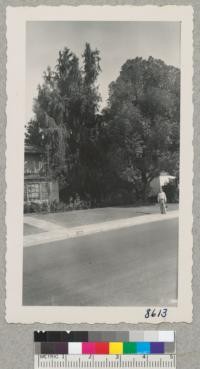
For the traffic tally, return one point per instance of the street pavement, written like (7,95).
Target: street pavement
(131,266)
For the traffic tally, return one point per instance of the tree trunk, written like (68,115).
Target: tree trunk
(145,190)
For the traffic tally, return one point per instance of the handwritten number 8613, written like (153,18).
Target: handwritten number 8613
(156,313)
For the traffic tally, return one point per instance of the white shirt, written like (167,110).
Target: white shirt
(162,197)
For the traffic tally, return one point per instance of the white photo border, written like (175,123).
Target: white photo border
(16,67)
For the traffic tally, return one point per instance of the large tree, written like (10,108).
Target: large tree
(143,115)
(65,118)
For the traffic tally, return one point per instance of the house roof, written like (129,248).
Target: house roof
(33,149)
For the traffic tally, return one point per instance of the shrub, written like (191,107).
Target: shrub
(35,207)
(172,192)
(44,207)
(54,206)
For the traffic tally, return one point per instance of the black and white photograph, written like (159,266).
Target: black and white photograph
(102,182)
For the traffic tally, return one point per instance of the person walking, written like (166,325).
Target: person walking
(162,200)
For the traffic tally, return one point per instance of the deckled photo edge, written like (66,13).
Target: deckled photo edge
(15,311)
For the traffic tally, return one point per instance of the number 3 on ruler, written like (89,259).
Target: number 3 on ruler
(156,313)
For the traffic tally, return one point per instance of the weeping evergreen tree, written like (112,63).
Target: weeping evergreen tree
(65,118)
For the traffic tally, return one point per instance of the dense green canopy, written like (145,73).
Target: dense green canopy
(143,119)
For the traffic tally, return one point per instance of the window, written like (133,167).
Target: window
(32,167)
(33,192)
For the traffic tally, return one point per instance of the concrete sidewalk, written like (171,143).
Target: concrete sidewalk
(55,232)
(76,218)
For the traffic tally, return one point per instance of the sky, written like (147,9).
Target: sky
(117,41)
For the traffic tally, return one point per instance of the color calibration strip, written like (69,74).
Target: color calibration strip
(103,348)
(104,343)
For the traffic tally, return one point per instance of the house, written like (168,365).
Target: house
(39,187)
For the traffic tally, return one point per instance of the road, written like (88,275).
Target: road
(133,266)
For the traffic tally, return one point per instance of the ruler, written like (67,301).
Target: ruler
(104,361)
